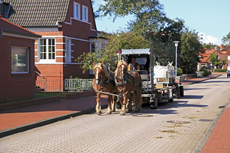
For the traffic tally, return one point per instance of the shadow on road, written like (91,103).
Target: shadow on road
(192,97)
(167,108)
(215,82)
(195,89)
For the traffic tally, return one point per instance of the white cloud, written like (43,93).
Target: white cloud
(209,39)
(99,2)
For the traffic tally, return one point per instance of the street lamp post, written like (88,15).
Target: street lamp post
(176,44)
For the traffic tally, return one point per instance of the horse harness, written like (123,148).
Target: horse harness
(124,82)
(106,81)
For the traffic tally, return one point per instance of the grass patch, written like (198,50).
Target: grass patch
(50,94)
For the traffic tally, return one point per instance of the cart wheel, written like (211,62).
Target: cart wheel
(118,105)
(171,100)
(177,92)
(154,104)
(181,91)
(170,93)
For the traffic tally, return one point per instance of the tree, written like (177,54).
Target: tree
(190,48)
(226,40)
(214,60)
(116,41)
(161,42)
(209,45)
(149,21)
(148,14)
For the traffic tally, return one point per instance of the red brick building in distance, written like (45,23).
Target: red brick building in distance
(17,77)
(66,26)
(223,52)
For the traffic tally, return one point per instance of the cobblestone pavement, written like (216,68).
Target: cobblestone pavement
(176,127)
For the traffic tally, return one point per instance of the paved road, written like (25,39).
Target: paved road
(173,127)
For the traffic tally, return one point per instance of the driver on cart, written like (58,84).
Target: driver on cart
(133,66)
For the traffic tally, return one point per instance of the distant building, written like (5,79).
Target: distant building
(223,52)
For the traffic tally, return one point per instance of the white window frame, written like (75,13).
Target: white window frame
(76,11)
(47,53)
(68,51)
(85,13)
(27,58)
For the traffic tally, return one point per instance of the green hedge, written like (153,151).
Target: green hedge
(204,73)
(179,71)
(220,70)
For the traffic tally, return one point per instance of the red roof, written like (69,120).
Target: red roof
(206,55)
(10,27)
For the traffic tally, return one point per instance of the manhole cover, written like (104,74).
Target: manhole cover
(206,120)
(221,106)
(179,122)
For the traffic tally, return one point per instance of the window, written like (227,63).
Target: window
(47,49)
(92,47)
(68,51)
(85,13)
(19,60)
(76,11)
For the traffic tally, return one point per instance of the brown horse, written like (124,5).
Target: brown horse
(104,82)
(128,87)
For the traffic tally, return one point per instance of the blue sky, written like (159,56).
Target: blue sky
(208,17)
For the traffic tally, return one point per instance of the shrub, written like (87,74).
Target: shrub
(179,71)
(204,73)
(220,70)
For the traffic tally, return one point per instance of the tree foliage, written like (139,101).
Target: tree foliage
(209,45)
(190,48)
(149,21)
(116,41)
(148,14)
(226,39)
(214,59)
(161,42)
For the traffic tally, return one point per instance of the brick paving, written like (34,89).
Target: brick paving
(218,141)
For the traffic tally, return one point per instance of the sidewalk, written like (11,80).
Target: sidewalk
(18,120)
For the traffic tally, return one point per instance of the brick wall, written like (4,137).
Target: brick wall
(15,86)
(78,32)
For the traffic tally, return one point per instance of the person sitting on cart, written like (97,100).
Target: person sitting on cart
(133,66)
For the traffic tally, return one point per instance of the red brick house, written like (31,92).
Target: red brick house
(17,77)
(66,26)
(223,52)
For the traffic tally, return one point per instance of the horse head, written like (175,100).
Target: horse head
(122,68)
(100,72)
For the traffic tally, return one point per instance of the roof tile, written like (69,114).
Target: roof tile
(8,26)
(38,12)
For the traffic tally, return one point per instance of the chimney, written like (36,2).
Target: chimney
(221,46)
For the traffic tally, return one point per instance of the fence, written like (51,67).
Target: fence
(66,85)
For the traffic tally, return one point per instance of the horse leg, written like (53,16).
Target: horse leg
(138,101)
(98,106)
(114,100)
(123,105)
(130,103)
(110,98)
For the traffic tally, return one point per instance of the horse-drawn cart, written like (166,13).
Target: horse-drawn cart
(159,82)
